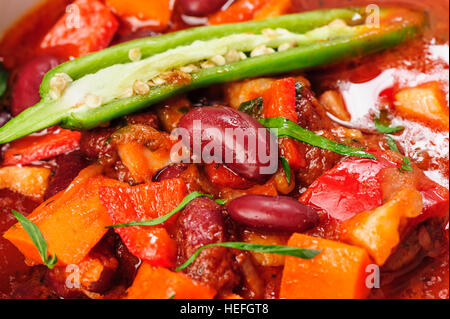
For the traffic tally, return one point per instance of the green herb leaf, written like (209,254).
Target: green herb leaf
(270,249)
(158,221)
(382,128)
(172,297)
(253,107)
(3,79)
(286,128)
(406,161)
(221,201)
(407,165)
(37,238)
(287,168)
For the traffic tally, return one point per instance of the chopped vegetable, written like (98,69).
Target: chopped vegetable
(353,186)
(72,222)
(425,102)
(84,101)
(37,238)
(273,8)
(280,100)
(161,283)
(156,13)
(33,148)
(241,10)
(28,181)
(268,249)
(286,128)
(338,272)
(158,221)
(126,205)
(90,30)
(4,75)
(379,231)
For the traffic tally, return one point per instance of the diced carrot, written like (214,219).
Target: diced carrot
(273,8)
(425,103)
(152,244)
(241,10)
(338,272)
(379,231)
(221,176)
(29,181)
(161,283)
(87,26)
(72,222)
(334,103)
(155,13)
(280,99)
(33,148)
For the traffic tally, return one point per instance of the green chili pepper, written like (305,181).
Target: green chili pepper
(105,78)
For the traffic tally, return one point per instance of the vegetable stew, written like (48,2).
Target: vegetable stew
(245,149)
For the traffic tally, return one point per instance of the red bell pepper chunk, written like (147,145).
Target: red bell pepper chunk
(152,244)
(280,101)
(54,142)
(354,186)
(87,26)
(221,176)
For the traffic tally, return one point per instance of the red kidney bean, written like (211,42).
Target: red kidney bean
(239,155)
(202,223)
(170,172)
(273,213)
(201,8)
(67,168)
(25,92)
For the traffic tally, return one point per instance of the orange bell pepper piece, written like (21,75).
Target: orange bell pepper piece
(338,272)
(161,283)
(379,231)
(155,13)
(72,222)
(87,26)
(274,8)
